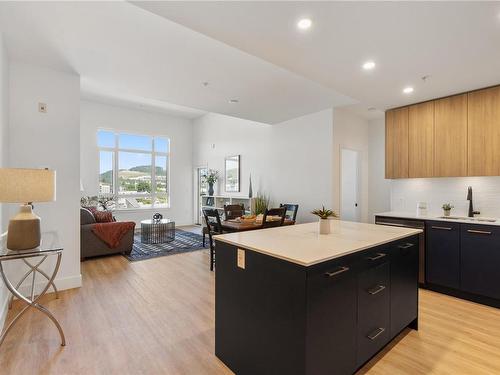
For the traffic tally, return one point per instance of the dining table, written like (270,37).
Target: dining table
(235,225)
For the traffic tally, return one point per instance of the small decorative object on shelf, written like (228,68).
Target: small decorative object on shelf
(324,214)
(447,209)
(211,178)
(157,217)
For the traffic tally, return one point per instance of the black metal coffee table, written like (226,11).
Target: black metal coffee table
(157,231)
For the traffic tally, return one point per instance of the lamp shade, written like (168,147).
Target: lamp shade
(19,185)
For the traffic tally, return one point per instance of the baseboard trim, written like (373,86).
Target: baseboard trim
(62,283)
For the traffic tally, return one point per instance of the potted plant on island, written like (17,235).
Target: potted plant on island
(324,214)
(447,209)
(211,178)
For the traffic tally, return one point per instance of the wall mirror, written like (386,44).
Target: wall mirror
(232,175)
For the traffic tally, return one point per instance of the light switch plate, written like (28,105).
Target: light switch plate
(241,258)
(42,107)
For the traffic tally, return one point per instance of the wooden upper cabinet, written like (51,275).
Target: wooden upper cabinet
(421,140)
(450,136)
(396,143)
(484,132)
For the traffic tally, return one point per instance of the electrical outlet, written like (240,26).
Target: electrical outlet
(42,107)
(241,258)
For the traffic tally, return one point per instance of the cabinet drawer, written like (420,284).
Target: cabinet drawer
(373,311)
(480,260)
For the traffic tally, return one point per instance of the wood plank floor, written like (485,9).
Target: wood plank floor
(157,317)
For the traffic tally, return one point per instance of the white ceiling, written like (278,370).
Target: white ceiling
(456,43)
(121,50)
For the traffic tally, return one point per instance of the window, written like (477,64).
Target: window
(134,169)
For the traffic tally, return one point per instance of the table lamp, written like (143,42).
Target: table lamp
(26,186)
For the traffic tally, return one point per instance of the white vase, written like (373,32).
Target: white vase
(324,226)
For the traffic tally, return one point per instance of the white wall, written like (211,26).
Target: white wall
(217,136)
(300,157)
(290,161)
(350,131)
(4,153)
(379,189)
(39,140)
(97,115)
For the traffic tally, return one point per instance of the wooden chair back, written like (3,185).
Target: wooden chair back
(233,211)
(291,210)
(281,212)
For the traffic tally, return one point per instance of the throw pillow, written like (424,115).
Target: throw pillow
(103,216)
(92,209)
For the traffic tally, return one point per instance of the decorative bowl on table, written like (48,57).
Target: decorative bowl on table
(247,219)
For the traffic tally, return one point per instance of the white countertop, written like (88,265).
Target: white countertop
(302,244)
(408,215)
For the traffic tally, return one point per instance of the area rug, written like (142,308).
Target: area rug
(184,242)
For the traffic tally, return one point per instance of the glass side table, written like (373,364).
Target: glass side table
(48,247)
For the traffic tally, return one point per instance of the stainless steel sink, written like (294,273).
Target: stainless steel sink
(480,219)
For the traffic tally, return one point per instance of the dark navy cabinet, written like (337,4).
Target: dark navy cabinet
(404,291)
(277,317)
(443,254)
(480,260)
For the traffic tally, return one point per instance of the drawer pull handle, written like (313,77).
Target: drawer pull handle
(376,333)
(390,224)
(378,256)
(338,272)
(406,246)
(377,289)
(478,231)
(442,228)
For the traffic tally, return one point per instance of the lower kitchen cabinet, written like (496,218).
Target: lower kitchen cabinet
(443,254)
(480,260)
(332,293)
(404,294)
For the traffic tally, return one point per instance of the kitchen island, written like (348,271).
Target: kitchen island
(291,301)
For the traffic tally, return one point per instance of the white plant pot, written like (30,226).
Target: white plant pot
(324,226)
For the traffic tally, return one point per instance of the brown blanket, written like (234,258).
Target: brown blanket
(112,233)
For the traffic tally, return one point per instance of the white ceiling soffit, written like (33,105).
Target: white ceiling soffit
(455,43)
(122,48)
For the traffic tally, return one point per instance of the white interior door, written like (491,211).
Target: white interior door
(349,190)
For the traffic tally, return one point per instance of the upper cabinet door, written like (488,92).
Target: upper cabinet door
(450,136)
(484,132)
(396,143)
(421,140)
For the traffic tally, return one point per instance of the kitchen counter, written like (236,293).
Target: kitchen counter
(301,244)
(291,301)
(457,218)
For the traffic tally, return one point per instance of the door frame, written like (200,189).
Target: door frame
(196,194)
(358,178)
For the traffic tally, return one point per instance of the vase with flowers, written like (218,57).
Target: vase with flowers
(211,178)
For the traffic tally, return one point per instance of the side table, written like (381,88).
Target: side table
(48,248)
(157,231)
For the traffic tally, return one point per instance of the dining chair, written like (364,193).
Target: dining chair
(233,211)
(291,210)
(281,212)
(214,226)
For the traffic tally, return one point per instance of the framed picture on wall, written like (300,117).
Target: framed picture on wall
(232,175)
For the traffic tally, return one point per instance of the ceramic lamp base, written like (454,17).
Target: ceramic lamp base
(24,230)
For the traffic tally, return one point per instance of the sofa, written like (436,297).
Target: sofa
(91,245)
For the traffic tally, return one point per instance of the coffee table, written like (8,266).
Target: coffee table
(157,231)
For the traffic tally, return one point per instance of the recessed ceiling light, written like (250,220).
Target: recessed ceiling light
(369,65)
(233,101)
(408,90)
(304,24)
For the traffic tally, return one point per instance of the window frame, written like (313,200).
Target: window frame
(116,162)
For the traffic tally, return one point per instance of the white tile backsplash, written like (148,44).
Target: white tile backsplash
(435,191)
